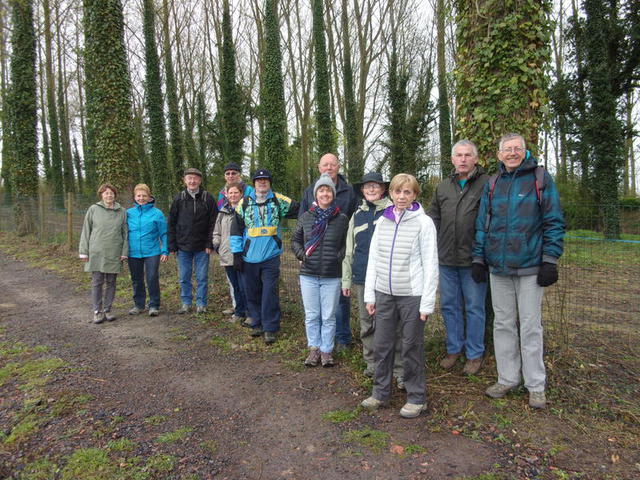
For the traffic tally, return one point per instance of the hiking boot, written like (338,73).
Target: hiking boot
(236,318)
(184,309)
(109,317)
(98,317)
(368,372)
(412,410)
(497,390)
(449,361)
(201,309)
(153,312)
(400,383)
(472,367)
(256,332)
(372,403)
(136,311)
(228,311)
(248,322)
(537,400)
(327,359)
(269,337)
(313,358)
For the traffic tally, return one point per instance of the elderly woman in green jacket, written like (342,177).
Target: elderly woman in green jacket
(103,247)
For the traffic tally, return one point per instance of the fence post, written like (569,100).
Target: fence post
(41,213)
(69,220)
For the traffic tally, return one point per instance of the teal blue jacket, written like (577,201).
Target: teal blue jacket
(147,231)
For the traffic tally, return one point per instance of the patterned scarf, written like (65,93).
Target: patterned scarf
(319,226)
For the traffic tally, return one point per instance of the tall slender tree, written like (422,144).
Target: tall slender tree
(77,163)
(444,114)
(324,121)
(108,90)
(155,110)
(24,166)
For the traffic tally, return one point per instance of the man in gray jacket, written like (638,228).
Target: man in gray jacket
(454,209)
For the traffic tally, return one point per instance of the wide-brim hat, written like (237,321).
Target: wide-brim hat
(371,177)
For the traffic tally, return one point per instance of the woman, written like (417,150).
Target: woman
(354,266)
(400,288)
(221,233)
(103,248)
(147,248)
(319,243)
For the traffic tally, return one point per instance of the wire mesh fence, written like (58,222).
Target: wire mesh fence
(598,289)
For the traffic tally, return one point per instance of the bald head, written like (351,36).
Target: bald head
(330,165)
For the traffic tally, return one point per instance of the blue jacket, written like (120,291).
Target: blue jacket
(147,231)
(256,230)
(522,232)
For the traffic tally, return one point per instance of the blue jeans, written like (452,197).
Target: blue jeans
(343,316)
(238,292)
(141,268)
(260,282)
(320,297)
(458,291)
(186,262)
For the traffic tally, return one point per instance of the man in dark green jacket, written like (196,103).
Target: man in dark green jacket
(454,209)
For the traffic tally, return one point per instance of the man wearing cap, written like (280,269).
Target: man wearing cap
(256,245)
(347,200)
(192,217)
(453,210)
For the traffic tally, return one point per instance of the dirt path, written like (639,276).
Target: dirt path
(262,418)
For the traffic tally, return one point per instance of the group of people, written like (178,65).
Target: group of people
(371,240)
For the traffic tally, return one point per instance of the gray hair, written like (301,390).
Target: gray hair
(464,143)
(511,136)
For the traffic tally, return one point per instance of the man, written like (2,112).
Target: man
(454,209)
(347,201)
(233,175)
(256,246)
(191,220)
(519,236)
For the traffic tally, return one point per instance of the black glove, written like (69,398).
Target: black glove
(548,274)
(238,264)
(479,272)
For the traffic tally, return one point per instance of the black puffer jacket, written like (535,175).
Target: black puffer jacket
(191,221)
(326,259)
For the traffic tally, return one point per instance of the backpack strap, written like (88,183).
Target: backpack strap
(540,184)
(493,179)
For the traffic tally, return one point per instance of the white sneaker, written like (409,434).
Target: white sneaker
(373,403)
(412,410)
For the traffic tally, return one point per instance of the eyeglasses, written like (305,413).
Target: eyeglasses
(512,150)
(231,173)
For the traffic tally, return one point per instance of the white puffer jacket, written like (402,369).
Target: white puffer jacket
(403,258)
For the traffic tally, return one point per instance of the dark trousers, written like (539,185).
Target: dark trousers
(392,310)
(343,317)
(238,291)
(141,268)
(261,289)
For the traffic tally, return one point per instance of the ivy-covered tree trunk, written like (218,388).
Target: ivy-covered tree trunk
(201,121)
(444,121)
(65,142)
(397,95)
(325,139)
(108,90)
(231,111)
(175,130)
(502,51)
(273,140)
(155,111)
(23,108)
(77,163)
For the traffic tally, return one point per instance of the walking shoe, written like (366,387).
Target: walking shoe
(368,372)
(109,317)
(269,337)
(372,403)
(136,311)
(256,332)
(236,318)
(497,390)
(449,361)
(313,358)
(327,359)
(153,312)
(228,311)
(248,322)
(412,410)
(537,400)
(400,383)
(98,317)
(200,309)
(472,367)
(184,309)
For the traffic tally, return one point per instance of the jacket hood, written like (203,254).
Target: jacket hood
(116,205)
(150,204)
(529,163)
(410,212)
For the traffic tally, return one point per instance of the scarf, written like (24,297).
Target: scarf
(319,226)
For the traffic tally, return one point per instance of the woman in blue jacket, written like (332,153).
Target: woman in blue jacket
(147,248)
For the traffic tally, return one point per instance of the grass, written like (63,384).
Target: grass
(156,419)
(342,416)
(121,445)
(175,436)
(375,440)
(40,469)
(89,464)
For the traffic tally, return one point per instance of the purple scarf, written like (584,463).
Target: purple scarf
(319,226)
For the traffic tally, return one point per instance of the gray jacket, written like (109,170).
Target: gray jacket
(104,238)
(221,233)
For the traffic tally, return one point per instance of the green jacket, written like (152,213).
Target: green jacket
(104,238)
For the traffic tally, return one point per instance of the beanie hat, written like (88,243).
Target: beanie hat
(324,181)
(232,166)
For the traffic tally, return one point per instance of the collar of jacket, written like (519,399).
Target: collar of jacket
(147,206)
(388,212)
(116,205)
(477,171)
(529,163)
(381,203)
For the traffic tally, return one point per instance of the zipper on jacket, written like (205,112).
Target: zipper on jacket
(393,245)
(506,226)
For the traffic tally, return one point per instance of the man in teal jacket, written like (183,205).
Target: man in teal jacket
(519,236)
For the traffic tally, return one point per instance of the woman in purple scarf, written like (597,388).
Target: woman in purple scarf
(319,243)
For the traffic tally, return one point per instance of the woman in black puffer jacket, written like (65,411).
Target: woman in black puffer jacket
(319,243)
